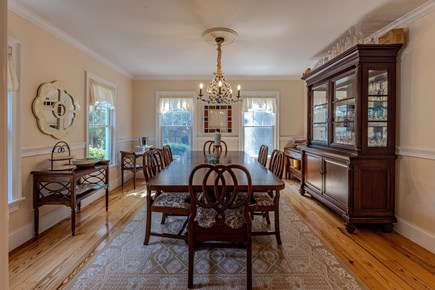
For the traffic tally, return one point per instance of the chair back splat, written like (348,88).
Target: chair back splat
(219,213)
(167,154)
(262,155)
(276,164)
(207,149)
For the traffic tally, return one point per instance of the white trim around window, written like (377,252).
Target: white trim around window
(113,145)
(260,94)
(15,195)
(175,94)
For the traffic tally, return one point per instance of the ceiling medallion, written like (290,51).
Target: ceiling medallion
(219,91)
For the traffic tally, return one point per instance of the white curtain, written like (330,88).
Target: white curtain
(267,104)
(99,92)
(167,104)
(11,74)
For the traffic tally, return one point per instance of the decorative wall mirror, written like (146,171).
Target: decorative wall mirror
(217,117)
(55,109)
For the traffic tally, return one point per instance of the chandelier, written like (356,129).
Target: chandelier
(219,91)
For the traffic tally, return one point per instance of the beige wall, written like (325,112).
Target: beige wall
(45,58)
(291,105)
(415,194)
(4,216)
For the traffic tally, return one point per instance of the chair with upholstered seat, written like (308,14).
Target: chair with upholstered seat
(167,203)
(208,147)
(128,162)
(219,215)
(269,201)
(262,155)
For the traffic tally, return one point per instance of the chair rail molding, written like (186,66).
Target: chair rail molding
(416,152)
(34,151)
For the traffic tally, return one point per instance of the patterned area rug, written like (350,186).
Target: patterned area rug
(302,262)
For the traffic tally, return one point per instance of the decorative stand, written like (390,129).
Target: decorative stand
(217,151)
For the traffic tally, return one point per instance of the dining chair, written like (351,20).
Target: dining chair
(269,201)
(167,203)
(129,163)
(167,154)
(219,212)
(208,147)
(262,155)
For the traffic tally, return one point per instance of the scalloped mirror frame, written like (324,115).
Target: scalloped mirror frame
(55,109)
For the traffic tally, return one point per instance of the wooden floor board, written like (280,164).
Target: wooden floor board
(380,260)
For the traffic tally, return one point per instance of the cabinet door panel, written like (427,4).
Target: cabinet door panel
(313,171)
(336,182)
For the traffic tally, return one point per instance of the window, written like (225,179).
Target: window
(13,120)
(101,121)
(259,124)
(176,123)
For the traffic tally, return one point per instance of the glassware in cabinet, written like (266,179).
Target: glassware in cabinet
(344,110)
(377,108)
(320,113)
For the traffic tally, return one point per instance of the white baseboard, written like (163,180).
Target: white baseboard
(53,217)
(415,234)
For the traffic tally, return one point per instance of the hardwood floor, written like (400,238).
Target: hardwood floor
(380,260)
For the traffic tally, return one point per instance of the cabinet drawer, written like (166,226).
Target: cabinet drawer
(293,153)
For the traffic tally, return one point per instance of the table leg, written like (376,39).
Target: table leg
(36,221)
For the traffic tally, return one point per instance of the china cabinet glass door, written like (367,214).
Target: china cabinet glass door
(344,111)
(377,108)
(320,113)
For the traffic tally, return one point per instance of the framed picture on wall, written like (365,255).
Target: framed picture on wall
(143,141)
(217,117)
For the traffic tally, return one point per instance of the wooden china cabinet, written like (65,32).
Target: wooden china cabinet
(348,163)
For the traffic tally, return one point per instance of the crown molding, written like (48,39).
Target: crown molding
(56,31)
(406,19)
(228,78)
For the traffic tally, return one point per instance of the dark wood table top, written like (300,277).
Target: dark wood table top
(175,177)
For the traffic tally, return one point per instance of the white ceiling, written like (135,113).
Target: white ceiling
(161,39)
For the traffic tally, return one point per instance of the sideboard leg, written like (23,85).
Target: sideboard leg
(350,228)
(387,228)
(73,221)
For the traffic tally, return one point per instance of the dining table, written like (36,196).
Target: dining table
(175,176)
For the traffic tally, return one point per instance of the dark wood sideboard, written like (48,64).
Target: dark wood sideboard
(68,188)
(348,163)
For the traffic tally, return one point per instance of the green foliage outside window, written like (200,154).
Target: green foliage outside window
(97,153)
(178,148)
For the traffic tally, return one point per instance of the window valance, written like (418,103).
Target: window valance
(267,104)
(11,74)
(99,92)
(166,104)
